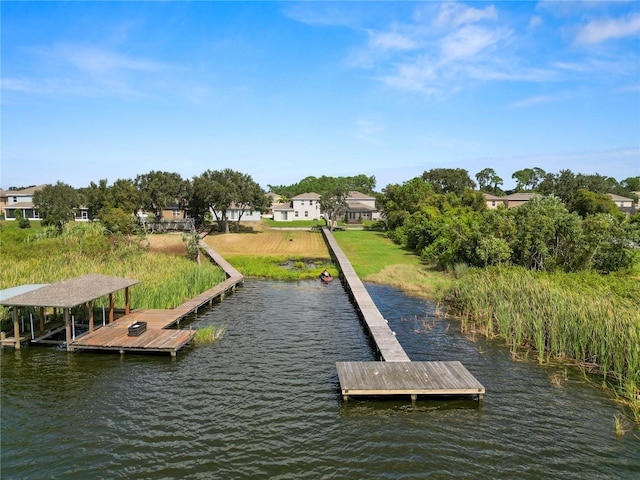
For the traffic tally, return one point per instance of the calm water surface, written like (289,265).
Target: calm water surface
(264,403)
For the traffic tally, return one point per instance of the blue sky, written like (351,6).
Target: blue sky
(284,90)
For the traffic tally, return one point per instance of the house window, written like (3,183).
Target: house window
(296,213)
(15,199)
(493,203)
(301,202)
(310,202)
(306,213)
(176,214)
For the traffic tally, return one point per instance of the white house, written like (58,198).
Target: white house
(621,202)
(305,206)
(361,207)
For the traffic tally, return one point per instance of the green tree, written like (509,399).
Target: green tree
(158,189)
(360,183)
(631,184)
(56,204)
(22,221)
(399,201)
(449,180)
(116,220)
(123,194)
(333,201)
(608,245)
(586,203)
(489,181)
(216,191)
(540,232)
(528,178)
(96,197)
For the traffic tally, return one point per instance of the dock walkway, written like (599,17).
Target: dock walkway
(159,337)
(396,374)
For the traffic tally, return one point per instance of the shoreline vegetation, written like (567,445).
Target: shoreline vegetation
(583,319)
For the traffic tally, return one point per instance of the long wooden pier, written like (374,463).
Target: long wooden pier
(396,374)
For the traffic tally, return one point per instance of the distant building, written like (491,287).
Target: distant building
(14,200)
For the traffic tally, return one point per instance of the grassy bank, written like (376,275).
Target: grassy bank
(165,281)
(377,259)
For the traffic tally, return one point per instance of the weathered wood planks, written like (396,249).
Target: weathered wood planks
(407,378)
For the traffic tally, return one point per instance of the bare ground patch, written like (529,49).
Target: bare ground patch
(270,243)
(170,244)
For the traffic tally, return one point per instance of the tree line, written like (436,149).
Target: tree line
(571,225)
(205,198)
(440,215)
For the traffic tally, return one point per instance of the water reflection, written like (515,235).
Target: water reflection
(264,402)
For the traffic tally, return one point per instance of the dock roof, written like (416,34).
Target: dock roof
(69,293)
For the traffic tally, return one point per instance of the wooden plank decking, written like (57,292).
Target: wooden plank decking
(407,378)
(158,337)
(396,374)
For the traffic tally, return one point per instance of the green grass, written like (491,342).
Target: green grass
(376,259)
(294,223)
(207,335)
(281,267)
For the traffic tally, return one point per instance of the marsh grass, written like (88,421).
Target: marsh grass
(591,319)
(165,281)
(281,267)
(207,335)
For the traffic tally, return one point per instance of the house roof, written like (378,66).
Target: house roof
(282,208)
(359,206)
(307,196)
(359,196)
(521,197)
(11,206)
(488,196)
(69,293)
(24,191)
(619,198)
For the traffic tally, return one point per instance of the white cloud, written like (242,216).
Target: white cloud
(535,21)
(454,14)
(599,31)
(97,60)
(528,102)
(368,130)
(470,41)
(391,41)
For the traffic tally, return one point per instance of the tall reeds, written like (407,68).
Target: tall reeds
(584,317)
(165,281)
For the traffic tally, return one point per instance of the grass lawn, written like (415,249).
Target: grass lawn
(377,259)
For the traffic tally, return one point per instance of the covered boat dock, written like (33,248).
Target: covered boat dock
(66,295)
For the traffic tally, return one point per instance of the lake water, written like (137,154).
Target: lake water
(264,403)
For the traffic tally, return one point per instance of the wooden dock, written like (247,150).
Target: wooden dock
(406,378)
(396,374)
(377,327)
(159,337)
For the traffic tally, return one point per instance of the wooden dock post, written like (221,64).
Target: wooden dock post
(16,328)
